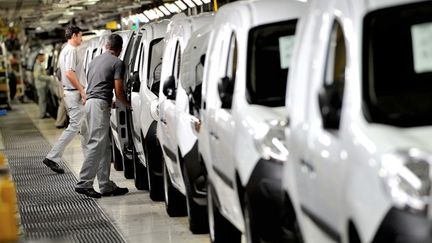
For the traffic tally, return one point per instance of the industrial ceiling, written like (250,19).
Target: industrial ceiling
(46,15)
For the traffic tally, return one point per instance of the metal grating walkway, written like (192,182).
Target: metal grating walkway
(48,205)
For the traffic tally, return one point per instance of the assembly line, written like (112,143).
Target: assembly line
(264,121)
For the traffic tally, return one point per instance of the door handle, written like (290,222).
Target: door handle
(309,167)
(214,135)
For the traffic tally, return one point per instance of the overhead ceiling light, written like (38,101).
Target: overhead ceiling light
(164,10)
(142,18)
(147,15)
(198,2)
(189,3)
(91,2)
(158,12)
(62,21)
(77,8)
(181,5)
(172,8)
(70,13)
(206,1)
(60,5)
(150,14)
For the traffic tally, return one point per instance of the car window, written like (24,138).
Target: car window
(155,65)
(397,65)
(269,55)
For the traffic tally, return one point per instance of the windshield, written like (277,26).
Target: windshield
(269,55)
(397,65)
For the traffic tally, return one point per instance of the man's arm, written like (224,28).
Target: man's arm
(71,75)
(118,88)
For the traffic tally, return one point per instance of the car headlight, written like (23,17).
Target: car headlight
(406,177)
(271,142)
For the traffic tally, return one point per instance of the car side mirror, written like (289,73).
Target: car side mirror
(226,90)
(169,89)
(330,104)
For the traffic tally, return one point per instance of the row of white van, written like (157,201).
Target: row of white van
(284,120)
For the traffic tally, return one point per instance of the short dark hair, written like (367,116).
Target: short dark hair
(115,42)
(70,30)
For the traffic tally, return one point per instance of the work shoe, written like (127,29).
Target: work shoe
(53,166)
(116,192)
(89,192)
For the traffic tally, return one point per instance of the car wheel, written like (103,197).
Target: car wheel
(175,202)
(220,229)
(140,173)
(116,155)
(251,234)
(153,155)
(197,214)
(290,227)
(128,162)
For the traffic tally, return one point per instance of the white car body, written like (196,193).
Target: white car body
(141,101)
(142,93)
(171,137)
(176,129)
(230,139)
(144,104)
(356,173)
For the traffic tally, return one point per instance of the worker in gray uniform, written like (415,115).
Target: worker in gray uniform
(74,96)
(105,73)
(42,81)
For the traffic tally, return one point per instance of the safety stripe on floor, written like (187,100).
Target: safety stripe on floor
(49,207)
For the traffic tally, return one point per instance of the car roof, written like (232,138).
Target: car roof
(260,12)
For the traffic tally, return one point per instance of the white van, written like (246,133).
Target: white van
(144,91)
(188,103)
(242,134)
(360,110)
(188,38)
(176,141)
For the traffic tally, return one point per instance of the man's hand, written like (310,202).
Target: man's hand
(83,96)
(127,104)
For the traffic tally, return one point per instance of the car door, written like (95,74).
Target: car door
(150,78)
(222,124)
(168,119)
(326,159)
(135,84)
(118,114)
